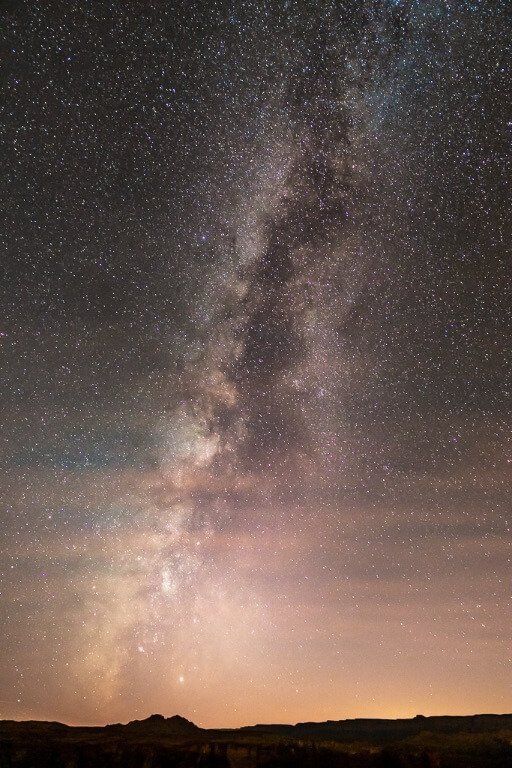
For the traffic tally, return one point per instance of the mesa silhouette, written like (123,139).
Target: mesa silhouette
(478,741)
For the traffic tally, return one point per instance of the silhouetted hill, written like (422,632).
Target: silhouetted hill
(175,725)
(479,741)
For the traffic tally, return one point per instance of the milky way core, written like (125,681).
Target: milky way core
(255,453)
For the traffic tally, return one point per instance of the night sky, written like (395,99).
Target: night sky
(256,311)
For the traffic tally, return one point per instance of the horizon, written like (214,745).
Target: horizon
(255,725)
(255,443)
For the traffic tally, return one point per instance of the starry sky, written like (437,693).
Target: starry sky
(255,420)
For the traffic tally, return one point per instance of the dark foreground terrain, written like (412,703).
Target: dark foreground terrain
(479,741)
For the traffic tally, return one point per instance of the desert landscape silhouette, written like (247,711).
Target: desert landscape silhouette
(479,741)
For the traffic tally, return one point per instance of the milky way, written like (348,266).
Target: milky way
(255,447)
